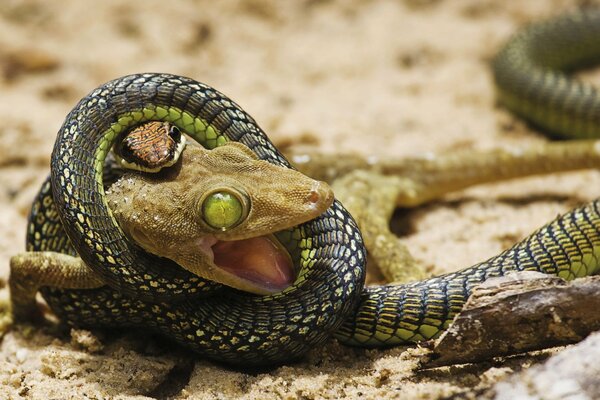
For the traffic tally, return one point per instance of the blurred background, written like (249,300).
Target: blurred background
(382,77)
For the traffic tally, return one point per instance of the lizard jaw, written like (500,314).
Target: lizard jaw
(259,265)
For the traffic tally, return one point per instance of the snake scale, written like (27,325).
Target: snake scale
(70,215)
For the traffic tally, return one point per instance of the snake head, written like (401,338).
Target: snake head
(149,147)
(215,214)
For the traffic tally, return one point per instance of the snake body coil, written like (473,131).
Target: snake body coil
(328,297)
(233,327)
(531,80)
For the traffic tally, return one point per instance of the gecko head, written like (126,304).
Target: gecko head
(215,213)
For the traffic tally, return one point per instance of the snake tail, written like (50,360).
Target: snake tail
(389,315)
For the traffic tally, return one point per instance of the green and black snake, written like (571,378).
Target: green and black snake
(329,299)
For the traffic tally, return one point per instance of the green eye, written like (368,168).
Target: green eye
(222,210)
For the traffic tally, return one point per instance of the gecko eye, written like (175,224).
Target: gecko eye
(175,133)
(224,209)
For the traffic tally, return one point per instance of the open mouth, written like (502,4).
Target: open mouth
(261,262)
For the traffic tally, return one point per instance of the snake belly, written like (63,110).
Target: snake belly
(328,297)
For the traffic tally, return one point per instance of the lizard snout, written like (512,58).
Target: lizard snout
(320,196)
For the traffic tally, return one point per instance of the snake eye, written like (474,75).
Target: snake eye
(126,152)
(223,209)
(175,133)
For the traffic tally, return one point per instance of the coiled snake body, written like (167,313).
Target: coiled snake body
(328,297)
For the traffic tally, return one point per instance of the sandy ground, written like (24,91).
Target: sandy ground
(375,77)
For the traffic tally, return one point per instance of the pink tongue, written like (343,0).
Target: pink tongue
(259,260)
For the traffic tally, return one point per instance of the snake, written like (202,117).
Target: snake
(70,215)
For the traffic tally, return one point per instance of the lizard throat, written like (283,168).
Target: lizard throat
(259,265)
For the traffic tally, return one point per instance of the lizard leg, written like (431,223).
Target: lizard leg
(371,199)
(431,176)
(372,192)
(32,270)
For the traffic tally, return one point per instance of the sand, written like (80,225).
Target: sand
(393,78)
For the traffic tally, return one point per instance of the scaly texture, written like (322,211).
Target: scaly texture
(260,330)
(238,328)
(531,80)
(568,247)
